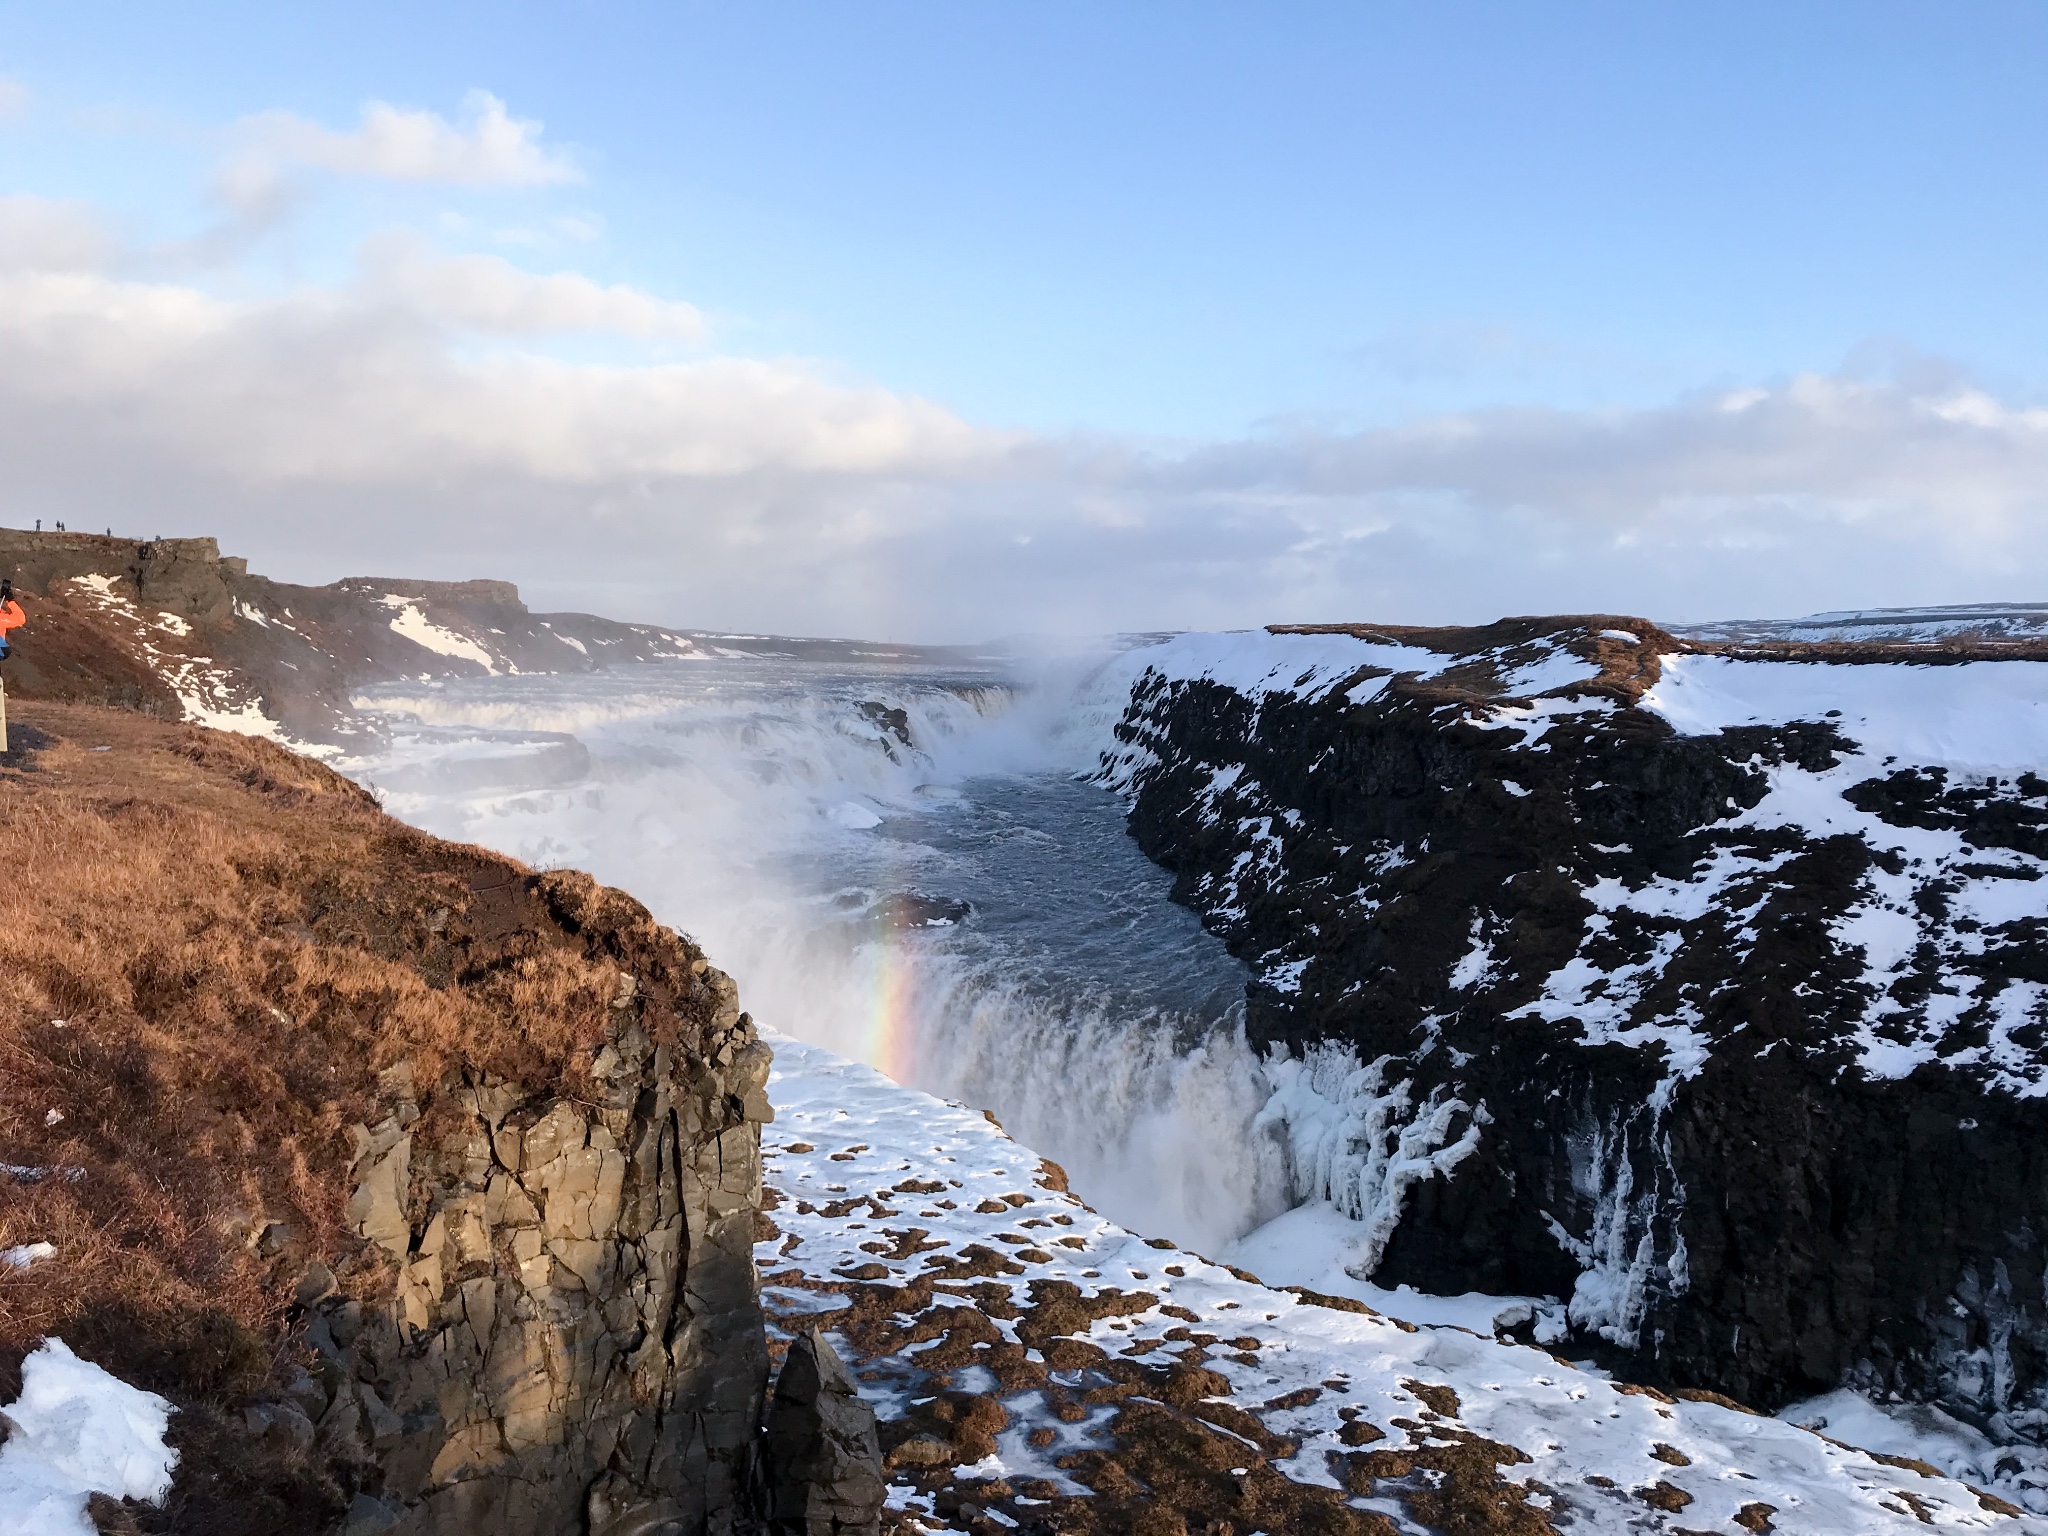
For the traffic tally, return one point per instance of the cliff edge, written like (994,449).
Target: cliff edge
(1704,986)
(422,1184)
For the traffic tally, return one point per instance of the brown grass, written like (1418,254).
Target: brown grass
(208,948)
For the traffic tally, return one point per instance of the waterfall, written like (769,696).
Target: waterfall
(900,864)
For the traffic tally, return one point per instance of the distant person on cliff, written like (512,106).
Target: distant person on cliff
(11,616)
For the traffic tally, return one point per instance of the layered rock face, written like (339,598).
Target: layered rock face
(1707,993)
(575,1342)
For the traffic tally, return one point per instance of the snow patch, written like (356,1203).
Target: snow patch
(1311,1244)
(1925,1433)
(411,623)
(75,1431)
(1979,716)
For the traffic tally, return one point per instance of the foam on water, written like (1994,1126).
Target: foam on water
(898,863)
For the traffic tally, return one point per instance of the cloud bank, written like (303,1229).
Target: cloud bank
(421,417)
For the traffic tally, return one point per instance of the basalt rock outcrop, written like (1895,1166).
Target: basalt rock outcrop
(1706,993)
(823,1452)
(574,1342)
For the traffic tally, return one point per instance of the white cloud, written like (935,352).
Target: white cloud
(490,148)
(377,424)
(46,234)
(14,99)
(488,293)
(351,387)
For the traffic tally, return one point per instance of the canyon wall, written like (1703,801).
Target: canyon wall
(1706,993)
(575,1340)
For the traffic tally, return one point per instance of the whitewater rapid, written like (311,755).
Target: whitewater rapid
(903,864)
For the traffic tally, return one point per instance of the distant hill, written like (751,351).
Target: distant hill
(1991,623)
(176,629)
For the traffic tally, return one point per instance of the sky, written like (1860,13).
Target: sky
(947,321)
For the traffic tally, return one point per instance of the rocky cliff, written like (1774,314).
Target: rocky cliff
(422,1184)
(1706,991)
(173,627)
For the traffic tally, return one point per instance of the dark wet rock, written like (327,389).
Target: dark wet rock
(915,909)
(823,1453)
(892,721)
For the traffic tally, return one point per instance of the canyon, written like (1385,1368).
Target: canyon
(437,1190)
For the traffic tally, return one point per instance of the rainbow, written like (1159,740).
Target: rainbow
(886,1029)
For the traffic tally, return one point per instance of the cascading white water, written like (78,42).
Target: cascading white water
(900,864)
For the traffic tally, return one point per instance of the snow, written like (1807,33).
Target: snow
(1980,716)
(210,695)
(411,623)
(1473,965)
(76,1430)
(1973,720)
(1560,669)
(1257,663)
(1925,1433)
(1998,621)
(27,1253)
(1254,662)
(1574,1425)
(1359,1143)
(1311,1245)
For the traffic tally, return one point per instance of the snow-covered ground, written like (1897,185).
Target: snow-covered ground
(1991,621)
(210,694)
(899,1213)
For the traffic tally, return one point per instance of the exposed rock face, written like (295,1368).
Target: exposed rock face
(575,1343)
(174,627)
(1732,1034)
(823,1449)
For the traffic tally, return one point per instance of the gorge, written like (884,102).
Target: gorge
(1531,971)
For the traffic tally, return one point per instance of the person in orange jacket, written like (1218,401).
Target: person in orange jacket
(11,616)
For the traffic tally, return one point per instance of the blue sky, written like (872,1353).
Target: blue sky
(1118,285)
